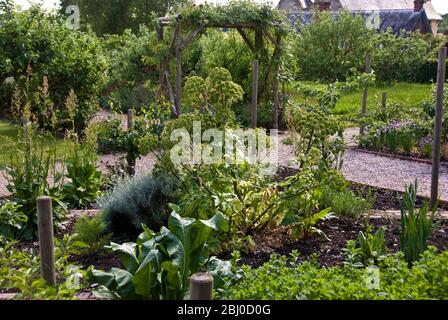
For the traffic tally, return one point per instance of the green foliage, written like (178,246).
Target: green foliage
(85,182)
(241,11)
(330,47)
(344,202)
(226,50)
(285,279)
(397,129)
(218,92)
(133,71)
(91,232)
(137,201)
(68,58)
(20,272)
(368,250)
(28,175)
(405,57)
(312,133)
(107,19)
(443,26)
(416,226)
(159,265)
(248,200)
(12,220)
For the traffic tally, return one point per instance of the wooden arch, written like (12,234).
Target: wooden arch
(179,42)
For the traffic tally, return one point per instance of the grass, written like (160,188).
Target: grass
(8,136)
(405,93)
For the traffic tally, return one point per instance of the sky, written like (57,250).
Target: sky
(441,6)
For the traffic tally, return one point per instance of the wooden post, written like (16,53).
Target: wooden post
(384,100)
(366,90)
(46,239)
(438,127)
(201,287)
(276,103)
(130,119)
(178,69)
(130,156)
(255,93)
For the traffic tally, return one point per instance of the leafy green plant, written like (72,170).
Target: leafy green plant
(368,249)
(137,201)
(304,221)
(91,233)
(331,46)
(416,226)
(12,220)
(344,202)
(159,265)
(283,278)
(216,93)
(84,184)
(28,176)
(312,133)
(20,272)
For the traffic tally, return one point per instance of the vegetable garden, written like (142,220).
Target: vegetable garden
(93,206)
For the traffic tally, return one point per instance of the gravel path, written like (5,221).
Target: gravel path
(390,173)
(360,167)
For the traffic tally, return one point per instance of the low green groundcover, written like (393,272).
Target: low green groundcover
(282,279)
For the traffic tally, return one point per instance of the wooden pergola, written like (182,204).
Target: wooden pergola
(179,43)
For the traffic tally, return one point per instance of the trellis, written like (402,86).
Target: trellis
(178,43)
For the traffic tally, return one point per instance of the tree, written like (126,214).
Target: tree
(114,16)
(443,27)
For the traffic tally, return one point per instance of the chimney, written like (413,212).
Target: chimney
(418,5)
(324,5)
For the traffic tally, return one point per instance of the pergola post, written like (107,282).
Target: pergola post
(178,67)
(438,127)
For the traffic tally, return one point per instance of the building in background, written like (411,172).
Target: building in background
(403,11)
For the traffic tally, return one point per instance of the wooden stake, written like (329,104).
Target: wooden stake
(366,90)
(130,119)
(255,93)
(46,239)
(438,127)
(276,103)
(384,100)
(130,157)
(178,70)
(201,287)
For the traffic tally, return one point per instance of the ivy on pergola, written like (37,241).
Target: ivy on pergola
(265,23)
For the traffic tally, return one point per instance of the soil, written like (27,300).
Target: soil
(330,253)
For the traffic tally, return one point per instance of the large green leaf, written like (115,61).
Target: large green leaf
(145,279)
(127,255)
(125,285)
(171,281)
(217,223)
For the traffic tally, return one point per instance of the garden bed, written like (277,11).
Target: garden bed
(331,253)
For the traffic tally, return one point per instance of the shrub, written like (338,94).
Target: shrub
(70,59)
(399,57)
(91,233)
(330,47)
(284,279)
(137,201)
